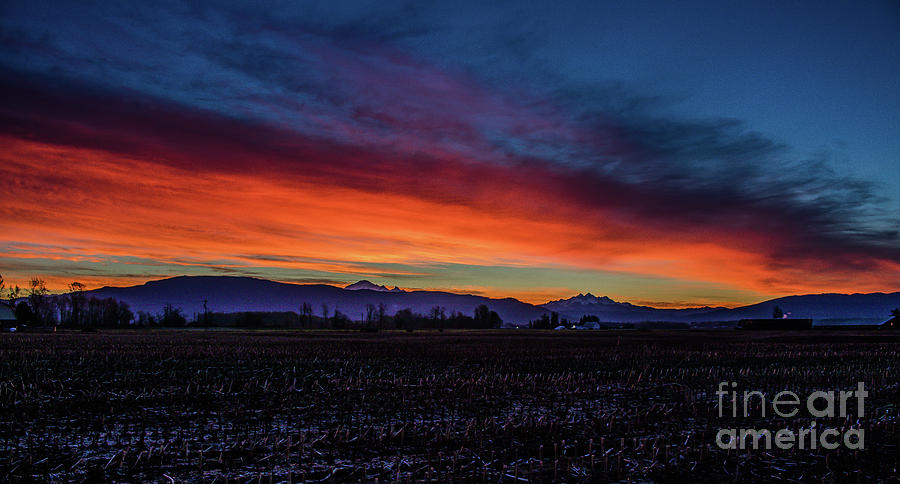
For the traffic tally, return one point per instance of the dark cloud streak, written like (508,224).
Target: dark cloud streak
(683,176)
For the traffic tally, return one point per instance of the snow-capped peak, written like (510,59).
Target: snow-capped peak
(366,285)
(585,300)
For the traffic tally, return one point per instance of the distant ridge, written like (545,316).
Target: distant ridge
(863,307)
(235,294)
(822,307)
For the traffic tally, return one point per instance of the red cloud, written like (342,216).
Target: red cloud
(130,176)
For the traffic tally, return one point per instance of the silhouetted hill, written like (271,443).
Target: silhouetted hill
(232,294)
(848,307)
(875,306)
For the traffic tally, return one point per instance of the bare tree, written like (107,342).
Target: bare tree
(381,315)
(37,298)
(370,314)
(777,313)
(76,301)
(11,293)
(437,316)
(306,311)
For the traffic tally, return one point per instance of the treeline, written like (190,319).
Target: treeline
(590,321)
(552,320)
(375,318)
(34,306)
(548,321)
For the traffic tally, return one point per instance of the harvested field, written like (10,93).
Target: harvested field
(491,406)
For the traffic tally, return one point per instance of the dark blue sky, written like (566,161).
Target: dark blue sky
(819,76)
(822,77)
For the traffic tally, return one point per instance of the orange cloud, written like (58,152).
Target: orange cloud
(89,202)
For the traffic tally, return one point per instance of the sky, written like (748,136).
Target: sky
(662,153)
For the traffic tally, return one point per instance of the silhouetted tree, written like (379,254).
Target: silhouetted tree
(76,304)
(13,294)
(895,312)
(485,318)
(107,313)
(777,313)
(172,316)
(482,313)
(37,298)
(382,309)
(306,313)
(495,321)
(371,312)
(339,320)
(24,314)
(10,293)
(437,315)
(403,319)
(542,323)
(146,319)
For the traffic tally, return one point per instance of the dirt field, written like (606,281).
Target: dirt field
(500,406)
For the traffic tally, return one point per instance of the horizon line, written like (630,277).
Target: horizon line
(459,291)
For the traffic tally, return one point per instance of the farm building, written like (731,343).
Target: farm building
(7,316)
(889,324)
(773,323)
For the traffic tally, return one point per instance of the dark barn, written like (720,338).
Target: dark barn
(772,323)
(889,324)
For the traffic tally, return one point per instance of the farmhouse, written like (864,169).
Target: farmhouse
(7,316)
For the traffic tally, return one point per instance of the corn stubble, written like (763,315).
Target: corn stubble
(439,407)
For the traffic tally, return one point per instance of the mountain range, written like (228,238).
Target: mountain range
(607,309)
(233,294)
(862,308)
